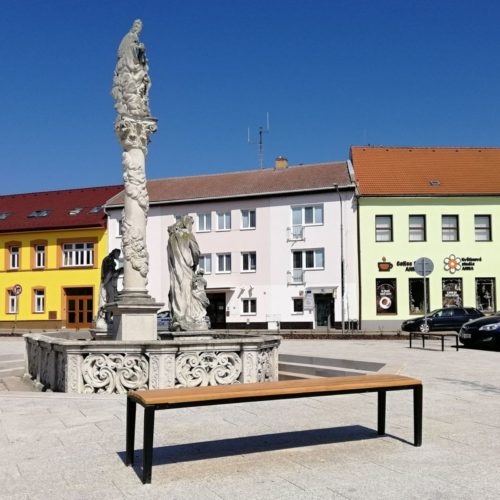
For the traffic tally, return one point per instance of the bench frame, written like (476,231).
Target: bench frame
(428,335)
(150,409)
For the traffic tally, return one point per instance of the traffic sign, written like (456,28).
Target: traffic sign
(17,289)
(424,266)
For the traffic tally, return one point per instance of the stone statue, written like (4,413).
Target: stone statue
(108,290)
(188,300)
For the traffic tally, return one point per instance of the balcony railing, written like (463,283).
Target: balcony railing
(295,233)
(296,277)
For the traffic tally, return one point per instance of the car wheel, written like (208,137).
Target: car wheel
(423,328)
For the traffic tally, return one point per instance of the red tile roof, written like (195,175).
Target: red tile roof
(246,183)
(18,208)
(394,171)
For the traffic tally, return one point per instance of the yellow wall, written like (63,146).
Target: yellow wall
(401,249)
(54,278)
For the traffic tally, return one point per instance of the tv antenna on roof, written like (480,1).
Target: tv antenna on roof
(260,141)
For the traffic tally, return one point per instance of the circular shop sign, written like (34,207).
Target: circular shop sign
(385,302)
(17,289)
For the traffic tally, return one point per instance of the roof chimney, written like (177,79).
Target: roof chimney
(280,163)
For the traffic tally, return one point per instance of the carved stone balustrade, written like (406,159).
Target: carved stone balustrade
(84,366)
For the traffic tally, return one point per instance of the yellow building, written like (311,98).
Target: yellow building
(51,248)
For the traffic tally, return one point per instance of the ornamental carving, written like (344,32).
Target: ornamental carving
(265,365)
(114,373)
(134,248)
(134,180)
(207,368)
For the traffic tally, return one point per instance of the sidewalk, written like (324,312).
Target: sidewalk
(62,446)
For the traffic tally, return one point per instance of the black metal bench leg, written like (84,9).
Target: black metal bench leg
(410,339)
(423,341)
(442,343)
(381,412)
(131,407)
(456,342)
(417,414)
(149,428)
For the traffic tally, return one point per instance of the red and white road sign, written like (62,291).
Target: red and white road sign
(17,289)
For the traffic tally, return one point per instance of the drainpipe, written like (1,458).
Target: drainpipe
(336,186)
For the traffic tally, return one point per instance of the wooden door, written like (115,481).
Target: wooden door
(79,311)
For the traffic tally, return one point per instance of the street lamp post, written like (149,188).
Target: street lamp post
(341,255)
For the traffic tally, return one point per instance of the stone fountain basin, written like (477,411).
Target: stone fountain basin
(72,362)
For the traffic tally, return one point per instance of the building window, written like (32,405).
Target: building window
(205,263)
(78,254)
(249,262)
(449,227)
(309,259)
(39,256)
(386,296)
(14,252)
(224,263)
(417,228)
(223,221)
(204,222)
(39,300)
(383,228)
(298,305)
(13,302)
(416,295)
(452,292)
(482,227)
(249,306)
(486,294)
(307,216)
(248,219)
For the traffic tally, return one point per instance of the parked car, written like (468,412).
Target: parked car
(481,331)
(449,318)
(163,320)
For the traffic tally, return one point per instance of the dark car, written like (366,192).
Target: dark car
(481,331)
(450,318)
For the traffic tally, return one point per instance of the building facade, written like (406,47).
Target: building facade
(273,243)
(51,247)
(439,203)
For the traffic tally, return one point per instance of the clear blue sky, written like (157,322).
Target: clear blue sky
(332,73)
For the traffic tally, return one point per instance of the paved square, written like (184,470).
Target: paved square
(61,446)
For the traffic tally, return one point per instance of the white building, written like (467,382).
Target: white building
(271,241)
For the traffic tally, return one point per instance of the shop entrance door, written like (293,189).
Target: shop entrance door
(324,306)
(216,310)
(79,307)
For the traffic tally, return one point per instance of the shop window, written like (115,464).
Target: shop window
(452,292)
(386,296)
(416,295)
(486,294)
(383,228)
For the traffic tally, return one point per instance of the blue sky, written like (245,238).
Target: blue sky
(331,73)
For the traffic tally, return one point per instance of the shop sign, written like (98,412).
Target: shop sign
(452,263)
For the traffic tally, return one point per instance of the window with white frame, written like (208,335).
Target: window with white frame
(248,219)
(383,228)
(205,263)
(416,225)
(307,215)
(248,262)
(13,302)
(14,257)
(482,227)
(449,227)
(205,222)
(39,256)
(224,263)
(78,254)
(223,221)
(249,306)
(309,259)
(39,299)
(298,305)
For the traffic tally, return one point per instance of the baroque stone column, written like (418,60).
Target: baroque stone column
(134,313)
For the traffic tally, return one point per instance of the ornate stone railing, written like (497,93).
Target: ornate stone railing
(85,366)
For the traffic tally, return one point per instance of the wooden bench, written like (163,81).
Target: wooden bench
(440,335)
(161,399)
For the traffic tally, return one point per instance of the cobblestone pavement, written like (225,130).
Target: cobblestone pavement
(61,446)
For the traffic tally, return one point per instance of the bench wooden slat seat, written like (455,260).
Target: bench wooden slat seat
(160,399)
